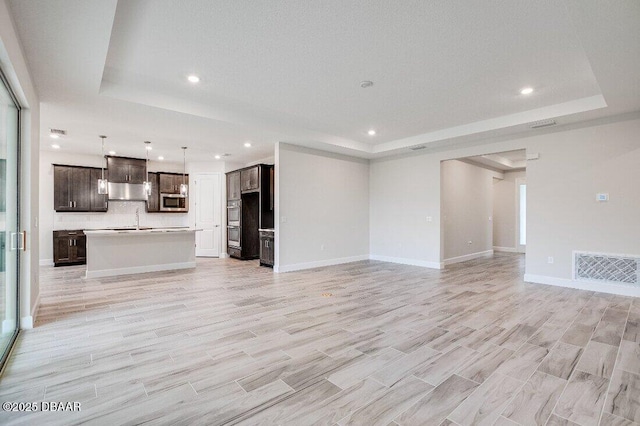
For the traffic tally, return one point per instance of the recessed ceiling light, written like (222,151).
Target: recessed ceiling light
(371,132)
(54,136)
(55,146)
(112,153)
(193,79)
(247,144)
(161,158)
(527,91)
(217,157)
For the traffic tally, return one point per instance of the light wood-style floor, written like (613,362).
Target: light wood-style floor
(367,343)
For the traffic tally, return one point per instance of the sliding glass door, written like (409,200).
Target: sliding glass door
(11,240)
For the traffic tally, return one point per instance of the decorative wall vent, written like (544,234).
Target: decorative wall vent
(417,148)
(58,132)
(606,267)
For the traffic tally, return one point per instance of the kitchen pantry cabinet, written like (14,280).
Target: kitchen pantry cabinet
(69,248)
(170,182)
(126,170)
(71,188)
(75,189)
(254,188)
(233,185)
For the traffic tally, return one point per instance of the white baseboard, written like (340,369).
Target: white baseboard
(46,262)
(620,289)
(224,255)
(319,263)
(505,249)
(27,322)
(139,269)
(466,257)
(404,261)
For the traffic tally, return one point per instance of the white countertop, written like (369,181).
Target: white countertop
(142,231)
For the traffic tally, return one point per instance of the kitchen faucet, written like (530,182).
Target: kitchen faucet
(137,219)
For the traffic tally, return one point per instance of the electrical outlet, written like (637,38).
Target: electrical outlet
(470,242)
(283,219)
(549,259)
(321,246)
(429,219)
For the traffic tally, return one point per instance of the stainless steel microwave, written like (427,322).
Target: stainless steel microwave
(174,203)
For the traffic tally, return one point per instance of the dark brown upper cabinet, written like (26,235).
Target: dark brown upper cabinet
(126,170)
(233,185)
(170,182)
(249,179)
(99,202)
(72,188)
(153,202)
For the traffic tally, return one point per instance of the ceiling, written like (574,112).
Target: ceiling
(508,161)
(442,72)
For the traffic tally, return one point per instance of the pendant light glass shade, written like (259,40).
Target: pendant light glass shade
(147,182)
(184,188)
(103,185)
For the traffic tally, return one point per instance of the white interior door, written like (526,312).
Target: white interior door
(208,214)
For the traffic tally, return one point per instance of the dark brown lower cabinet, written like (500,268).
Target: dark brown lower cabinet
(266,248)
(69,248)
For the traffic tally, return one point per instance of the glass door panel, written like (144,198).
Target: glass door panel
(10,239)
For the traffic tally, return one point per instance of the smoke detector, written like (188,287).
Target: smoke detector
(542,123)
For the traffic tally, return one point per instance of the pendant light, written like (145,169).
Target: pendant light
(102,182)
(147,182)
(184,188)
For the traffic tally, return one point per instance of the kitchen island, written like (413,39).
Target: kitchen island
(133,251)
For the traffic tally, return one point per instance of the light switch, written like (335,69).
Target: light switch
(602,197)
(429,219)
(283,219)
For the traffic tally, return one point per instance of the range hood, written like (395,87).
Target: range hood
(127,192)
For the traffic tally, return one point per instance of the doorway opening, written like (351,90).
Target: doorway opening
(483,206)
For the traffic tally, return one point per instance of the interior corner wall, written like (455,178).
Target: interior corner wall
(322,206)
(505,199)
(467,207)
(14,66)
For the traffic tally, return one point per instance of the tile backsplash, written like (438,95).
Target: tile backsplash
(120,214)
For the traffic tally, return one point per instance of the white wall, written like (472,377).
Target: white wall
(403,193)
(322,202)
(14,66)
(562,212)
(467,206)
(505,199)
